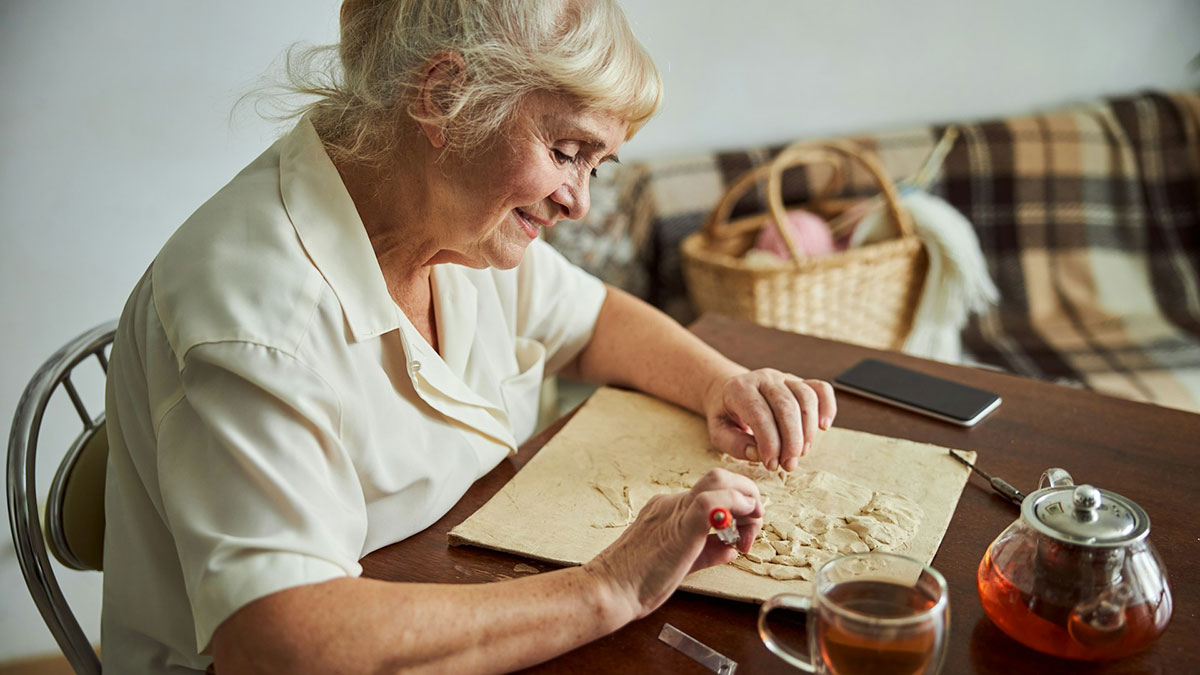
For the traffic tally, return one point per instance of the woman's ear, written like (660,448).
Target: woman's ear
(443,75)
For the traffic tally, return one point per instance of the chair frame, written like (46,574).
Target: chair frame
(22,490)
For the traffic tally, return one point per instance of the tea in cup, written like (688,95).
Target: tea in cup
(868,613)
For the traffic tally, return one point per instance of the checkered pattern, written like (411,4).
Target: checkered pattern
(1089,219)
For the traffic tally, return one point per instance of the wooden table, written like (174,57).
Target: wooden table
(1147,453)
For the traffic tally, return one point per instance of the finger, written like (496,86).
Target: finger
(810,406)
(741,499)
(748,529)
(754,411)
(748,514)
(750,449)
(729,438)
(789,419)
(827,401)
(719,480)
(715,552)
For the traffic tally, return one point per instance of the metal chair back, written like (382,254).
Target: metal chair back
(73,543)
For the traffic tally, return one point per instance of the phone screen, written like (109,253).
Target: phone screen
(917,391)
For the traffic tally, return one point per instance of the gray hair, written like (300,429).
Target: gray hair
(581,49)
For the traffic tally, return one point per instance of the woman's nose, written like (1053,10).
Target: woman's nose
(574,198)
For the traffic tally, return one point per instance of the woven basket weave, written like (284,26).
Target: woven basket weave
(866,295)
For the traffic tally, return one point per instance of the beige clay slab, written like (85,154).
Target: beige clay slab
(569,502)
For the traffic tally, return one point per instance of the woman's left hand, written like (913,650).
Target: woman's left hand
(769,416)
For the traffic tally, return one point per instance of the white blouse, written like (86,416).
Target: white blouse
(273,416)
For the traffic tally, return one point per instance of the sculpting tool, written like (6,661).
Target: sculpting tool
(1001,486)
(726,527)
(696,650)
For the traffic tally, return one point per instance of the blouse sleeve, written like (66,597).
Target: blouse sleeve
(557,303)
(257,489)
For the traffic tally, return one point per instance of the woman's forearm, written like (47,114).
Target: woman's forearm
(369,626)
(364,625)
(636,345)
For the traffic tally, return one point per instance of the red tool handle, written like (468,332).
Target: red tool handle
(720,518)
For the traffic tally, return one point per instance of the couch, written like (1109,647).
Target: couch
(1088,217)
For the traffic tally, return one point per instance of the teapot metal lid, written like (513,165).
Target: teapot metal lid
(1084,515)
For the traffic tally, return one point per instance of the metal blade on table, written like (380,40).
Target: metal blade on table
(697,651)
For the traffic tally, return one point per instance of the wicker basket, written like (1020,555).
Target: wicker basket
(866,295)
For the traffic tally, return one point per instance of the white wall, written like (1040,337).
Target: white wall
(115,122)
(759,71)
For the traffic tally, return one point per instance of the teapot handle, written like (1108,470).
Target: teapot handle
(1055,478)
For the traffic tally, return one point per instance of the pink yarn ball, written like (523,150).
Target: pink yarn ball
(809,232)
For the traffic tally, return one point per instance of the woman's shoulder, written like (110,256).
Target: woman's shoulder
(236,269)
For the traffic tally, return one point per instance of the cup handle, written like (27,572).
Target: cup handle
(785,601)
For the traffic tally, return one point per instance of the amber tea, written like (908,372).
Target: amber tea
(870,613)
(847,649)
(1059,630)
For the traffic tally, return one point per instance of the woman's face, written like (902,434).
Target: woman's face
(537,173)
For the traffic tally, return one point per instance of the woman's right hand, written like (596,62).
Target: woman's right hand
(671,539)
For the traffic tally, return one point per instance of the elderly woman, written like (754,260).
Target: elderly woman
(328,353)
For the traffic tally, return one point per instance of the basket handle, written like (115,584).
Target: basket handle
(891,197)
(797,155)
(718,225)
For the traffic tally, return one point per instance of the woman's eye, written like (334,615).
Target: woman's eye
(563,158)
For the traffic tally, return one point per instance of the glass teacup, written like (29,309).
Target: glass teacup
(868,613)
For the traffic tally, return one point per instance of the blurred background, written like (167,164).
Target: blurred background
(118,119)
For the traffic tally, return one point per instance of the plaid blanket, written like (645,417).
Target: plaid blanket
(1089,218)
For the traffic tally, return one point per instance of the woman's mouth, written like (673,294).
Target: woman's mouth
(527,223)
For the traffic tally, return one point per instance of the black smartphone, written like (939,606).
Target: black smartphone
(918,392)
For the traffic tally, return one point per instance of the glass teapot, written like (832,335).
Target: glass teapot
(1075,576)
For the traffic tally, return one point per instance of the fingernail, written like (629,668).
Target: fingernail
(825,422)
(807,447)
(752,453)
(772,464)
(791,464)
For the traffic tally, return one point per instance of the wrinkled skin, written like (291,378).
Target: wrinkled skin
(670,539)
